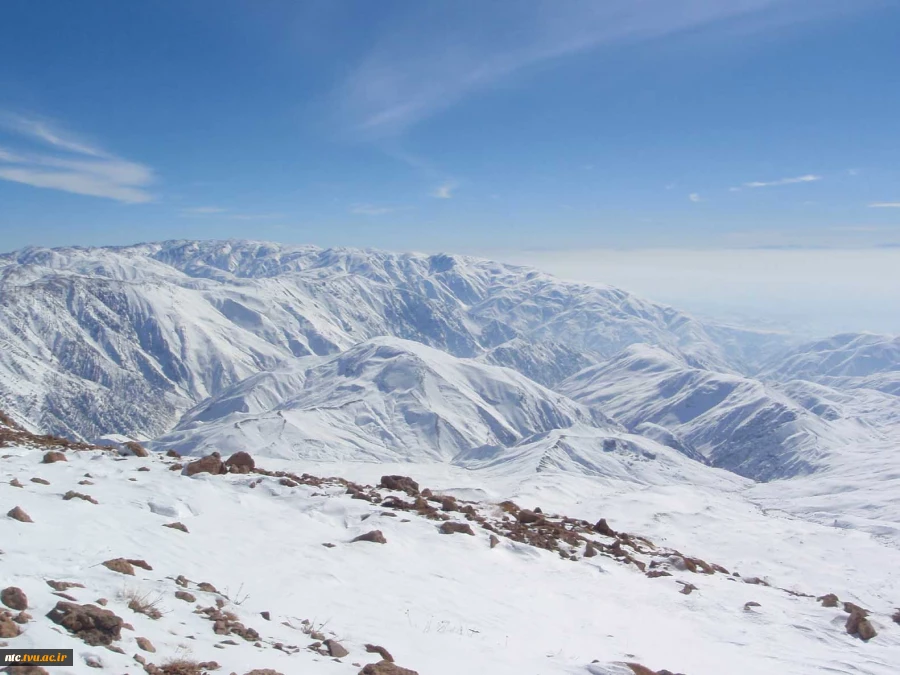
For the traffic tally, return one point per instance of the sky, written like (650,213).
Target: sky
(534,127)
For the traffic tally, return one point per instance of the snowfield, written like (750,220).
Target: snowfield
(439,603)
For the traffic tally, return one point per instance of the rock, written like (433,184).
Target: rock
(172,453)
(8,627)
(494,540)
(184,595)
(386,668)
(17,513)
(145,644)
(653,574)
(602,527)
(450,527)
(14,598)
(92,661)
(26,670)
(120,565)
(177,526)
(240,462)
(687,589)
(94,625)
(101,601)
(40,481)
(266,616)
(15,483)
(206,587)
(589,550)
(71,494)
(22,618)
(896,616)
(374,536)
(335,649)
(527,517)
(830,600)
(866,630)
(857,623)
(449,504)
(210,464)
(263,671)
(53,456)
(400,484)
(384,653)
(749,605)
(136,449)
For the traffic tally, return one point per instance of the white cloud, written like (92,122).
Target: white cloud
(885,205)
(808,178)
(444,191)
(202,210)
(374,210)
(436,54)
(70,164)
(694,197)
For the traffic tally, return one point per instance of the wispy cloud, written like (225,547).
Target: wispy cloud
(694,197)
(374,210)
(444,191)
(885,205)
(436,54)
(808,178)
(55,159)
(202,210)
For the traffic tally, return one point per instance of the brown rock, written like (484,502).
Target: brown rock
(94,625)
(896,616)
(386,668)
(71,494)
(400,484)
(589,550)
(101,601)
(172,453)
(177,526)
(266,615)
(749,605)
(494,540)
(145,644)
(53,456)
(206,587)
(687,589)
(15,483)
(8,627)
(210,464)
(527,517)
(638,669)
(653,574)
(602,527)
(240,462)
(18,514)
(830,600)
(14,598)
(374,536)
(120,565)
(136,449)
(184,595)
(450,527)
(384,653)
(40,481)
(22,617)
(263,671)
(335,649)
(866,630)
(26,670)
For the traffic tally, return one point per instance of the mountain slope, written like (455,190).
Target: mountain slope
(147,331)
(736,423)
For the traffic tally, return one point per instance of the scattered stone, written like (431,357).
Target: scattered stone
(749,605)
(328,544)
(287,482)
(335,649)
(210,464)
(206,587)
(456,528)
(240,462)
(386,668)
(602,527)
(63,585)
(177,526)
(144,468)
(400,484)
(687,589)
(374,536)
(136,449)
(14,598)
(184,595)
(896,616)
(857,623)
(266,616)
(263,671)
(22,618)
(53,456)
(94,625)
(18,514)
(178,466)
(145,644)
(8,627)
(65,596)
(101,601)
(384,653)
(71,494)
(172,453)
(589,550)
(26,670)
(40,481)
(15,483)
(830,600)
(120,565)
(494,540)
(181,580)
(226,623)
(653,574)
(85,482)
(92,661)
(527,517)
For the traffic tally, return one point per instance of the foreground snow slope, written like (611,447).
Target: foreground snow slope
(124,340)
(441,604)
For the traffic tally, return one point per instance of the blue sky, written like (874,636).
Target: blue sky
(465,126)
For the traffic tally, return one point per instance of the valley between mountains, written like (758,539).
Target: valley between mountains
(564,478)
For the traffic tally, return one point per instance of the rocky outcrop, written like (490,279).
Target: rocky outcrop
(210,464)
(95,625)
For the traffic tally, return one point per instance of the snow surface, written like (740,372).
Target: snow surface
(442,604)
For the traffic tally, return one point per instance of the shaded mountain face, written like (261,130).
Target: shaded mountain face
(124,340)
(736,423)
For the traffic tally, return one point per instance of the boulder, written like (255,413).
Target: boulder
(400,484)
(386,668)
(14,598)
(450,527)
(95,625)
(240,462)
(210,464)
(16,513)
(375,536)
(53,456)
